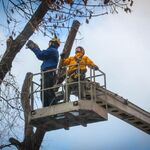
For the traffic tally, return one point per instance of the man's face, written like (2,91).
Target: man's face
(78,50)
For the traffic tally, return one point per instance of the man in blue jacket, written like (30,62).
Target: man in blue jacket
(50,58)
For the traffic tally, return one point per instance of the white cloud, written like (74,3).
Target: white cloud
(119,45)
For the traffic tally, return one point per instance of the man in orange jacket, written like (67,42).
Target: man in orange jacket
(79,60)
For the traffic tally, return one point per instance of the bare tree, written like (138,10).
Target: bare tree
(10,109)
(33,139)
(49,17)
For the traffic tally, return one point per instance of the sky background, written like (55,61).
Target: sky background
(119,44)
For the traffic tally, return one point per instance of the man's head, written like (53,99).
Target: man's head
(80,50)
(55,41)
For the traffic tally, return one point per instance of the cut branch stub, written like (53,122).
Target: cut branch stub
(71,38)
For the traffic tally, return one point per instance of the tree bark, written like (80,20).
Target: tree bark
(38,137)
(15,45)
(25,101)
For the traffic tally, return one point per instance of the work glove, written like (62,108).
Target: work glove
(96,68)
(62,55)
(30,44)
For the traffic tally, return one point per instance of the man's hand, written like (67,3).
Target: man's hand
(96,67)
(30,44)
(62,55)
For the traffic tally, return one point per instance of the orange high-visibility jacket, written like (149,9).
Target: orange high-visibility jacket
(84,61)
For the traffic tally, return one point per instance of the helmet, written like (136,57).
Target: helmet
(80,49)
(55,40)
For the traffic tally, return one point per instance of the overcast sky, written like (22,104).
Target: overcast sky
(119,45)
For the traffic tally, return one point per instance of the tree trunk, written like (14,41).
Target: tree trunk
(15,45)
(67,49)
(25,101)
(71,37)
(32,140)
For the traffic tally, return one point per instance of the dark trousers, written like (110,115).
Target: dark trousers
(75,87)
(48,96)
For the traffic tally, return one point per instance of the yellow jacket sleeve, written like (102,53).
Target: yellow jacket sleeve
(89,62)
(66,61)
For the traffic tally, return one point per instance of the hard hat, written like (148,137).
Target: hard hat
(55,40)
(80,49)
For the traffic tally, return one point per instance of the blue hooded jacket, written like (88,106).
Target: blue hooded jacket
(50,57)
